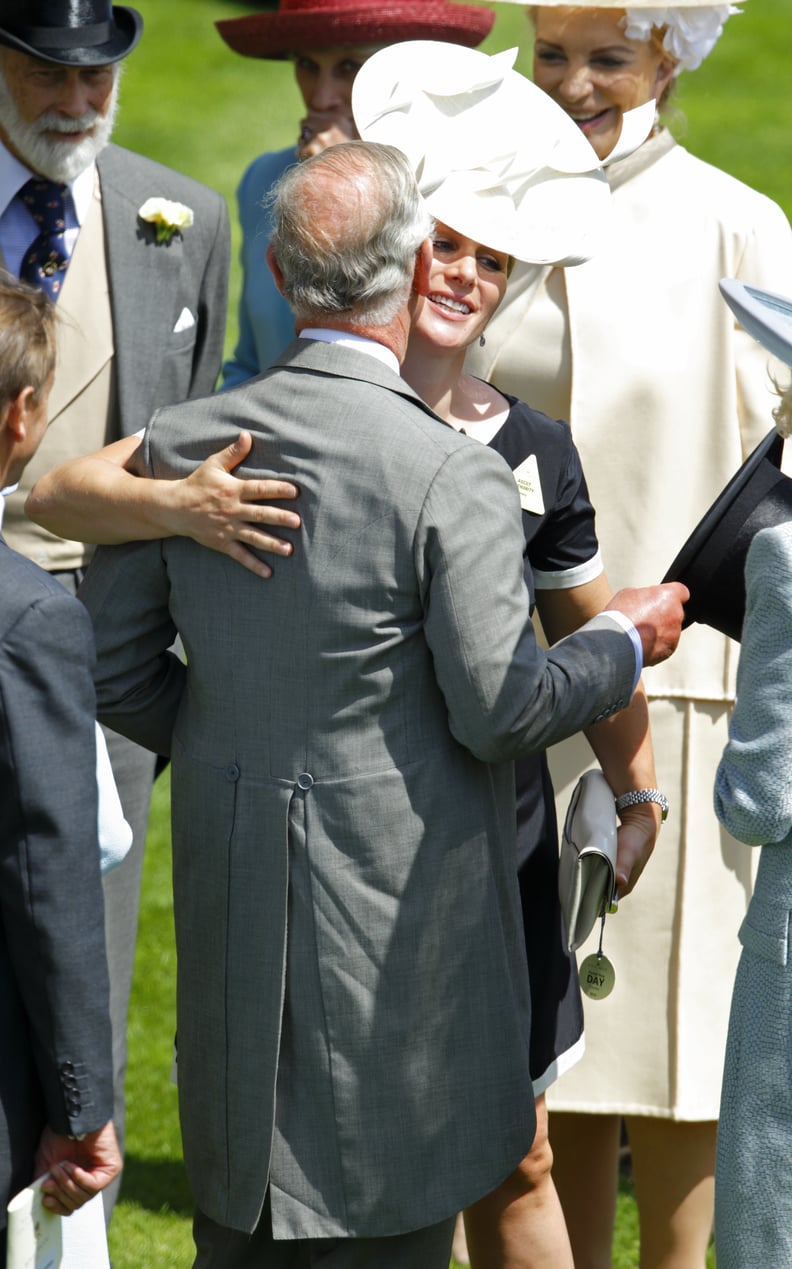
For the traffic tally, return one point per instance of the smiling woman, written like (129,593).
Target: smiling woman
(468,282)
(596,72)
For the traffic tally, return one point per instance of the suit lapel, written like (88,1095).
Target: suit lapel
(143,287)
(86,342)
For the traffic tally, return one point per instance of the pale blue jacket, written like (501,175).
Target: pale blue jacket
(753,799)
(266,323)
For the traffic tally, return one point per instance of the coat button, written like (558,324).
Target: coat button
(232,772)
(305,780)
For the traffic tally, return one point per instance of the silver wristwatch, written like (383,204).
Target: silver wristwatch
(638,796)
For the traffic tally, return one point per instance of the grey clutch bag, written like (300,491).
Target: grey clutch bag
(587,865)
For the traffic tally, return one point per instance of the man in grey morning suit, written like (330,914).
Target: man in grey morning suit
(350,953)
(144,318)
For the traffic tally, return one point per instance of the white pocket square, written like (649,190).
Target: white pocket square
(186,320)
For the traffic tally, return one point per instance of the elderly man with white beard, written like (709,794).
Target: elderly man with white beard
(136,257)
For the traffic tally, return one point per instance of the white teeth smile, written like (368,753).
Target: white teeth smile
(456,306)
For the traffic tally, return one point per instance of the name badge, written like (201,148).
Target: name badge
(529,485)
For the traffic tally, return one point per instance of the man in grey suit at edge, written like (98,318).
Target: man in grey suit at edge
(55,1049)
(351,974)
(143,307)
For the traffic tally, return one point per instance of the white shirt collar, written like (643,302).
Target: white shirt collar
(358,342)
(14,174)
(9,489)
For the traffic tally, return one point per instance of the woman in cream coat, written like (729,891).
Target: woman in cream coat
(666,396)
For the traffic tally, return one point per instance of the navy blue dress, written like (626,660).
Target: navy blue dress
(557,540)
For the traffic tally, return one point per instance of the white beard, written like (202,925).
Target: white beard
(57,160)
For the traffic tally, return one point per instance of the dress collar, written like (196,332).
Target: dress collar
(634,164)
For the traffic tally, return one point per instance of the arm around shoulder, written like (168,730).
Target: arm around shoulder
(139,681)
(212,304)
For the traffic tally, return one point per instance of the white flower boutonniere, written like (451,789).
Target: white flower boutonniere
(167,217)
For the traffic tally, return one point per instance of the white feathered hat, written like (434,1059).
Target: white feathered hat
(494,157)
(617,4)
(693,27)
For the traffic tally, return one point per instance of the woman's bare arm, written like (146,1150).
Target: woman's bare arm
(622,743)
(96,498)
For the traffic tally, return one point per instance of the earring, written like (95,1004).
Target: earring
(482,340)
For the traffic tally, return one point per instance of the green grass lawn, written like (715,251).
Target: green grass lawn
(191,103)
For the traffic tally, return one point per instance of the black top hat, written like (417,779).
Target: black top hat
(70,32)
(712,562)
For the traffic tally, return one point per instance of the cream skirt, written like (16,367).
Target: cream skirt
(655,1046)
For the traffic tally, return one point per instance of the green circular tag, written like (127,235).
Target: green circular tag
(597,976)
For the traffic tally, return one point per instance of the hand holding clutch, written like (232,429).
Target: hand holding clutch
(587,865)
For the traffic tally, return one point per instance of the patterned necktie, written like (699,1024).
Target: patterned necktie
(46,259)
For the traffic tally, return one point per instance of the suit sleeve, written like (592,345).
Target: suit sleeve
(51,905)
(505,696)
(753,791)
(139,682)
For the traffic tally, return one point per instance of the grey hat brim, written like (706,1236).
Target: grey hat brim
(765,315)
(712,562)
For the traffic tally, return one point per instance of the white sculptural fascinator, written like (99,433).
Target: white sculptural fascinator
(495,158)
(691,32)
(693,27)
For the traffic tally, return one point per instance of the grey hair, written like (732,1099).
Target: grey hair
(347,225)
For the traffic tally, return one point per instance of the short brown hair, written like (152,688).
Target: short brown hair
(28,327)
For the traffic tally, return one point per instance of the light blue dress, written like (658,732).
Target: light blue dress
(266,323)
(753,800)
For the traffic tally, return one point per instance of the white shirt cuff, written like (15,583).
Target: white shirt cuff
(629,628)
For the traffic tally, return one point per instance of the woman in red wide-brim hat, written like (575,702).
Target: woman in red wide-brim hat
(328,40)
